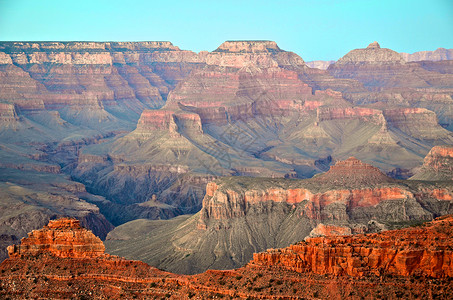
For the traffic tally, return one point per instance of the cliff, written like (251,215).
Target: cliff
(409,263)
(424,251)
(248,46)
(136,120)
(437,165)
(241,215)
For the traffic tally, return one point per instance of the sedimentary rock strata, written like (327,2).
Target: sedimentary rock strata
(320,268)
(424,251)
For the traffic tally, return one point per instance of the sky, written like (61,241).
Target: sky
(314,29)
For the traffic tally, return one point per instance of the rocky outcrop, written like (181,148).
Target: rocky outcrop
(409,263)
(248,108)
(248,46)
(125,76)
(61,238)
(421,251)
(8,113)
(352,172)
(373,54)
(170,121)
(437,165)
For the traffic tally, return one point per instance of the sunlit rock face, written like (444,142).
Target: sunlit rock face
(62,238)
(422,251)
(414,262)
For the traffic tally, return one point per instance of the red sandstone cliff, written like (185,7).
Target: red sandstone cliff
(410,263)
(425,251)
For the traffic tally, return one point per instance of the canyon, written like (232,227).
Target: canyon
(64,260)
(244,215)
(134,133)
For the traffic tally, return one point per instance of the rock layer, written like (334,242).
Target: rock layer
(424,251)
(241,215)
(421,268)
(61,238)
(437,165)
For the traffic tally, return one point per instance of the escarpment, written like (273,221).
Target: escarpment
(425,250)
(241,215)
(437,165)
(349,191)
(413,262)
(144,127)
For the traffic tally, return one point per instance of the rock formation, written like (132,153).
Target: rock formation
(438,165)
(373,54)
(436,55)
(74,266)
(422,251)
(61,238)
(145,125)
(242,215)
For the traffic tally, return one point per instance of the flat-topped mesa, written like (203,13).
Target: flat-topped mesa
(11,47)
(155,119)
(325,113)
(252,56)
(61,238)
(373,54)
(353,172)
(169,120)
(248,46)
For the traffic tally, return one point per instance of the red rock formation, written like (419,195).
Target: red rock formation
(350,183)
(171,121)
(353,171)
(437,165)
(379,69)
(151,119)
(409,263)
(330,230)
(425,251)
(248,46)
(418,122)
(62,238)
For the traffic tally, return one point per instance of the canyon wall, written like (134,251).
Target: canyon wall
(241,215)
(63,260)
(422,251)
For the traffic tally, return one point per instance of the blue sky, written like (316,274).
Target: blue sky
(314,29)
